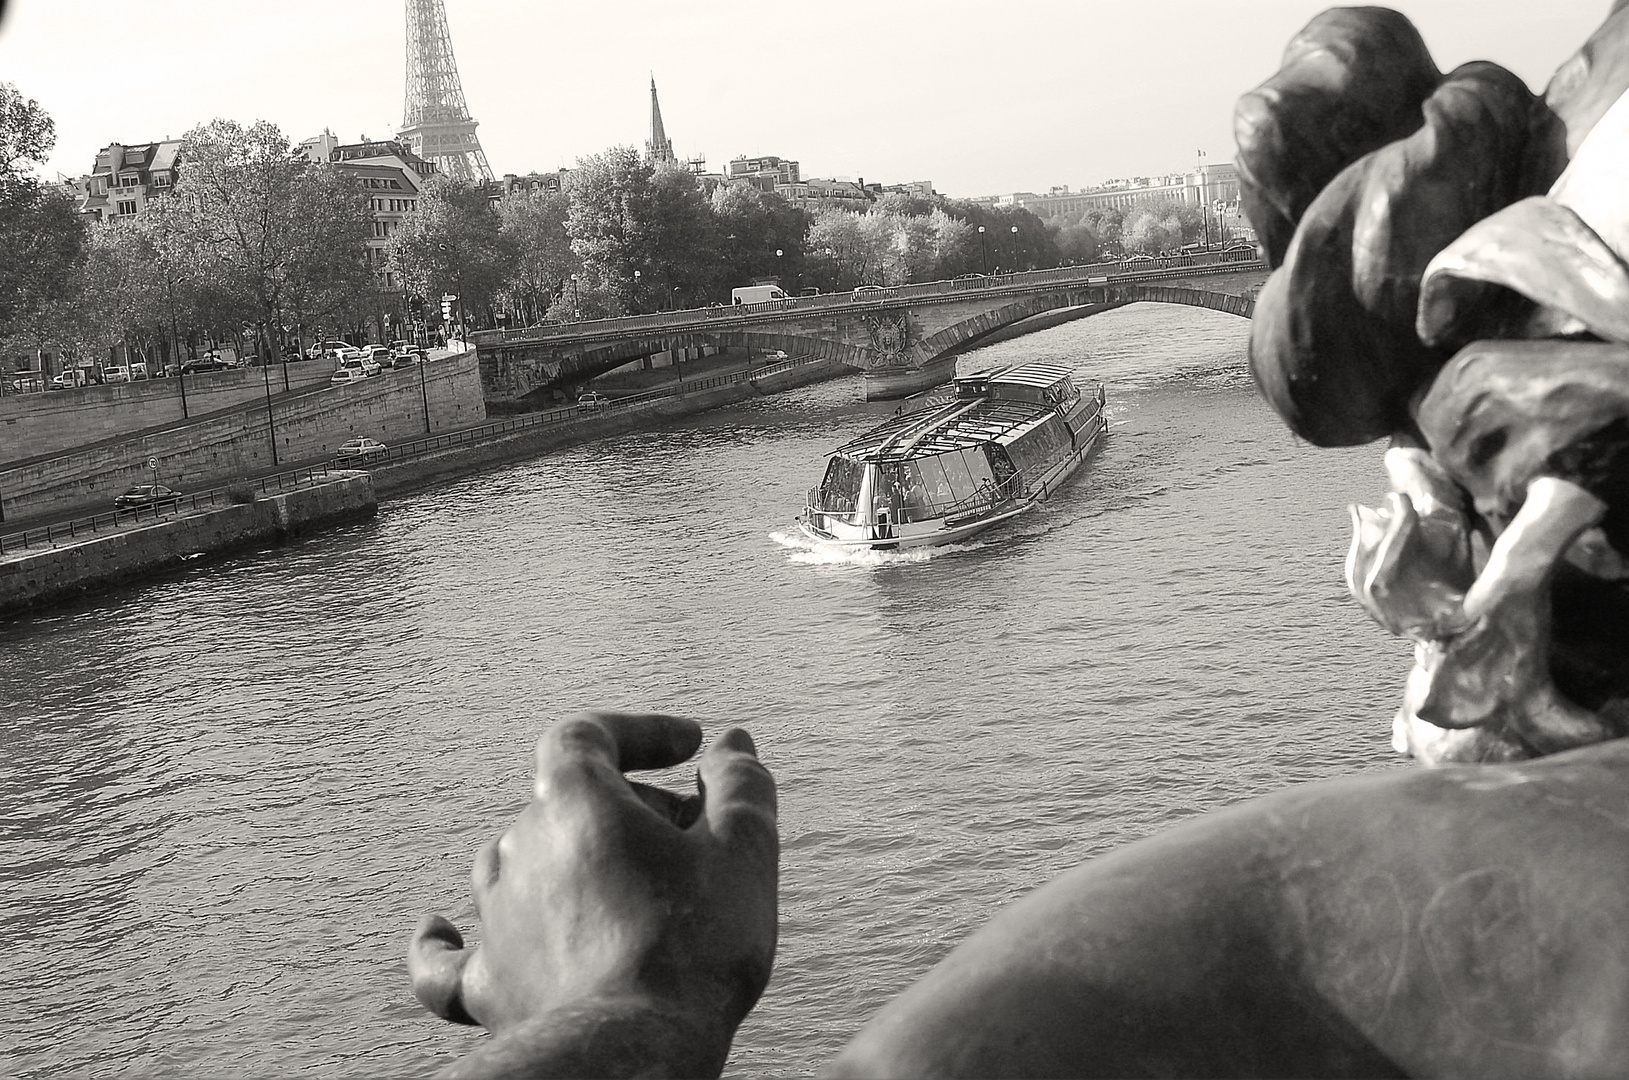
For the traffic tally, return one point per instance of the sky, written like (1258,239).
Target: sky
(980,98)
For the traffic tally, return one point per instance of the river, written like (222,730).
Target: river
(227,796)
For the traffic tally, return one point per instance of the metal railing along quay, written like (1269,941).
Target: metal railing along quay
(114,520)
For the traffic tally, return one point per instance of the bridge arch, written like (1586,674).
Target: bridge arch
(967,333)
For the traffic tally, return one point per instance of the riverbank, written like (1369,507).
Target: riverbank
(430,468)
(69,567)
(40,577)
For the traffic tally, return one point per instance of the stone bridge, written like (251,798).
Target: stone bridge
(905,339)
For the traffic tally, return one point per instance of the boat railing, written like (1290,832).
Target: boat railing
(988,498)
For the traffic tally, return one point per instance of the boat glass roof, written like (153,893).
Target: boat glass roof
(961,425)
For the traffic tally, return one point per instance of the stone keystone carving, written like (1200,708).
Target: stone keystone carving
(890,339)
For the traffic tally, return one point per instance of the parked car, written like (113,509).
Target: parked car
(361,449)
(115,374)
(326,348)
(344,375)
(404,352)
(145,495)
(377,353)
(593,400)
(206,362)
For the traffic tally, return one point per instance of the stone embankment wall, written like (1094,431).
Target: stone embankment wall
(36,424)
(36,578)
(529,443)
(309,427)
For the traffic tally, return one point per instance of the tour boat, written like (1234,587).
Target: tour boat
(1004,442)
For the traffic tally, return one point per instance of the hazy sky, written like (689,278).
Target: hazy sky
(980,98)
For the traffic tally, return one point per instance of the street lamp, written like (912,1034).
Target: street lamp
(984,247)
(636,292)
(1015,247)
(271,419)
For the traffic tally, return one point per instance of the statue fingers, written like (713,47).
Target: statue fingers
(593,749)
(738,797)
(435,964)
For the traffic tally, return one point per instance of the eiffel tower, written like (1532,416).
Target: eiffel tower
(436,124)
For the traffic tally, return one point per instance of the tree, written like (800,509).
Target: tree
(269,231)
(330,278)
(40,232)
(677,244)
(754,226)
(610,198)
(534,225)
(454,243)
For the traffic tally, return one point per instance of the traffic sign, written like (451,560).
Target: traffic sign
(152,463)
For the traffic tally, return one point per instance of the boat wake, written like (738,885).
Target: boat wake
(801,549)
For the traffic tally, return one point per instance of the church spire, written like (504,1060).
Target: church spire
(659,150)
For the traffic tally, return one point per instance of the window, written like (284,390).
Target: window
(840,489)
(127,206)
(127,181)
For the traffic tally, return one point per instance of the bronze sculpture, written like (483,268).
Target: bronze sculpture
(1449,256)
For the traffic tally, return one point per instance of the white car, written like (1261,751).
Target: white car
(347,375)
(593,400)
(326,348)
(116,374)
(361,448)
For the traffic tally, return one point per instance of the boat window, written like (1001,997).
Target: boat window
(907,489)
(840,489)
(1040,448)
(1007,481)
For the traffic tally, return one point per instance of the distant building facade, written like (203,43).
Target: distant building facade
(813,195)
(1205,187)
(532,182)
(126,178)
(765,173)
(391,175)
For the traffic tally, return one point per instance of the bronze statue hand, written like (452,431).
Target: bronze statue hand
(625,929)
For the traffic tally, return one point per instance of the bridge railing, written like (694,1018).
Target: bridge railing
(1104,273)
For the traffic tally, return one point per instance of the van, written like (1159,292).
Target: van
(757,294)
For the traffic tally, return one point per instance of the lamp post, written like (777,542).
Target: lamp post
(271,421)
(984,248)
(1221,226)
(636,292)
(424,393)
(1014,247)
